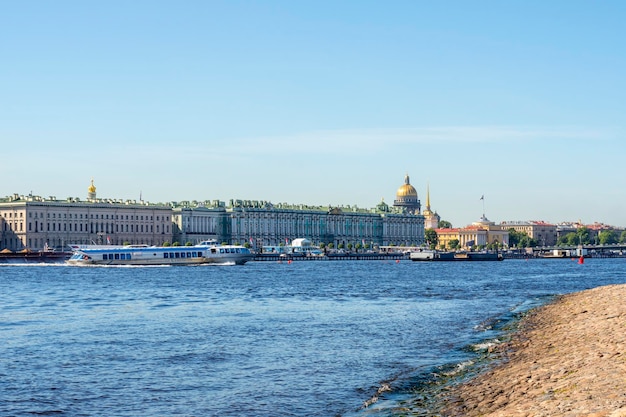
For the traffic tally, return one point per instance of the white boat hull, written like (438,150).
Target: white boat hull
(189,255)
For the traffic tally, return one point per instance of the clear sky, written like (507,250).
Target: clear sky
(320,102)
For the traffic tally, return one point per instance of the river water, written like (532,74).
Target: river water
(264,339)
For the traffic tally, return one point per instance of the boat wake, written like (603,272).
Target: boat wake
(116,266)
(31,264)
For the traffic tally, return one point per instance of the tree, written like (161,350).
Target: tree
(515,237)
(431,238)
(444,224)
(607,237)
(527,242)
(622,237)
(521,239)
(583,235)
(454,244)
(570,239)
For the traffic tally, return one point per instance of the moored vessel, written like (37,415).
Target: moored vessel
(205,252)
(434,255)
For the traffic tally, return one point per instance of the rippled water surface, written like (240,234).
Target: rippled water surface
(265,339)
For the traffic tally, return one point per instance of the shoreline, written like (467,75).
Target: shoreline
(567,358)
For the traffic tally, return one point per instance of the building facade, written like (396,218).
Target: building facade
(194,222)
(545,234)
(36,223)
(481,233)
(264,224)
(30,222)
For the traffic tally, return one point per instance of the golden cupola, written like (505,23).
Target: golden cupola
(406,189)
(406,197)
(91,191)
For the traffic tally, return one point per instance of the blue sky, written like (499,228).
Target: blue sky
(320,102)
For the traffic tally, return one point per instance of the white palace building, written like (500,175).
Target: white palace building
(36,223)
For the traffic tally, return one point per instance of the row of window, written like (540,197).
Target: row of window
(173,255)
(230,250)
(9,215)
(92,216)
(166,255)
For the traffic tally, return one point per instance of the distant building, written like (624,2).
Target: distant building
(32,222)
(480,233)
(262,223)
(195,222)
(545,234)
(594,229)
(35,222)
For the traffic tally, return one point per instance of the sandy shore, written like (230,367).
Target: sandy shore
(568,359)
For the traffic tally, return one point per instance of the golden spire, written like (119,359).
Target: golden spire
(92,188)
(428,196)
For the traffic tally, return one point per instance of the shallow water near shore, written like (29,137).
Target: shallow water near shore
(265,339)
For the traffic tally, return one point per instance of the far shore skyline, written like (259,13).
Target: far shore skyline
(482,198)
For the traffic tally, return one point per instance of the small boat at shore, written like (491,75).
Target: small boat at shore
(434,255)
(206,252)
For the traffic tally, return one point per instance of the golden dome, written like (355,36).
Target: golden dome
(92,188)
(406,190)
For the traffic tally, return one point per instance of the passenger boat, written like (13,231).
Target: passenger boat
(205,252)
(433,255)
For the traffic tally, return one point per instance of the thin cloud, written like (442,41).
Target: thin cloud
(372,140)
(324,142)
